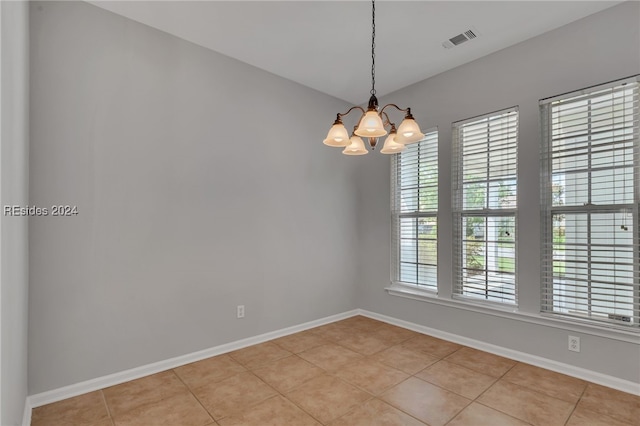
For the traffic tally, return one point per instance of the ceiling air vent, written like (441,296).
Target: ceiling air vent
(460,38)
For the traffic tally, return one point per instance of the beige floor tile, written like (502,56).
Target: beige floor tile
(480,361)
(371,376)
(334,332)
(360,323)
(532,407)
(326,397)
(154,388)
(234,394)
(181,409)
(103,422)
(457,379)
(431,345)
(299,342)
(393,334)
(257,355)
(619,405)
(447,377)
(80,410)
(330,357)
(584,417)
(52,422)
(364,343)
(426,402)
(376,413)
(275,411)
(479,415)
(208,370)
(548,382)
(287,373)
(323,328)
(405,359)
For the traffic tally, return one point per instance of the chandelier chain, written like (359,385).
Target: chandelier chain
(373,47)
(373,122)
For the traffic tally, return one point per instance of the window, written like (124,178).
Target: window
(590,195)
(414,204)
(484,207)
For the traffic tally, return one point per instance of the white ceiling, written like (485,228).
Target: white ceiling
(326,45)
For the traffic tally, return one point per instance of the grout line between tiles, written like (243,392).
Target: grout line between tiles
(283,393)
(492,385)
(285,396)
(433,384)
(194,395)
(104,399)
(303,410)
(500,411)
(496,381)
(576,405)
(526,389)
(299,407)
(255,402)
(399,408)
(449,390)
(330,374)
(371,396)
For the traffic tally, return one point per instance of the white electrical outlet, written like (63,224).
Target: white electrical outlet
(574,344)
(240,311)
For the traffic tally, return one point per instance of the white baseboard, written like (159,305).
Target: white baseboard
(145,370)
(559,367)
(135,373)
(26,415)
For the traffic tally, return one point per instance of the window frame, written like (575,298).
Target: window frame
(548,210)
(459,212)
(397,215)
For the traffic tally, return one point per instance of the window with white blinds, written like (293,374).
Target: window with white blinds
(414,209)
(485,172)
(590,195)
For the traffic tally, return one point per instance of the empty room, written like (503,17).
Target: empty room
(343,213)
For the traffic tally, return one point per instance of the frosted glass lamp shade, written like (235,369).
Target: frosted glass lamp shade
(338,136)
(356,147)
(409,132)
(391,146)
(371,125)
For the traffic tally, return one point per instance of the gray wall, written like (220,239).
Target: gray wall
(14,183)
(201,183)
(597,49)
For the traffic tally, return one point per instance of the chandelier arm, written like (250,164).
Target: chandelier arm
(407,110)
(351,109)
(388,120)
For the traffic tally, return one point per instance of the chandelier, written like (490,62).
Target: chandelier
(372,122)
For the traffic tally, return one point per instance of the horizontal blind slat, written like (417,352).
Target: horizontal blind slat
(590,189)
(414,192)
(485,188)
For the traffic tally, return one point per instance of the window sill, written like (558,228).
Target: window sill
(512,313)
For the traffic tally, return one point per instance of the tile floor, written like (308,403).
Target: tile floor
(349,373)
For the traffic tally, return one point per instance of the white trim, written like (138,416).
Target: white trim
(1,199)
(559,367)
(135,373)
(589,90)
(144,370)
(464,121)
(26,415)
(511,312)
